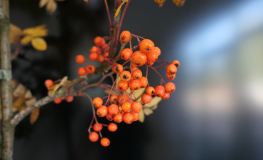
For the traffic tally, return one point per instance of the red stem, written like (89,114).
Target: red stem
(108,12)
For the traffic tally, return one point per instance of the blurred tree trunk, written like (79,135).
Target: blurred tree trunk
(6,84)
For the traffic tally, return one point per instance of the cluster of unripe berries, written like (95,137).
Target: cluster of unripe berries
(50,85)
(98,52)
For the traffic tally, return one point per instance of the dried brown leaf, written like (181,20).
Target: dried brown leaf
(147,111)
(18,103)
(51,6)
(19,91)
(34,116)
(42,3)
(30,101)
(28,94)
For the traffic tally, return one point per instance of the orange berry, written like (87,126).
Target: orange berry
(136,106)
(151,57)
(125,36)
(97,102)
(159,91)
(123,98)
(105,47)
(123,85)
(105,142)
(166,96)
(126,54)
(150,91)
(113,109)
(146,46)
(149,63)
(139,58)
(90,69)
(113,99)
(171,69)
(101,58)
(112,127)
(137,73)
(99,41)
(109,117)
(70,99)
(135,84)
(146,98)
(106,54)
(125,76)
(82,71)
(117,68)
(80,59)
(170,76)
(128,118)
(176,63)
(93,56)
(93,136)
(49,83)
(57,100)
(157,50)
(95,49)
(102,111)
(144,82)
(118,118)
(97,127)
(126,106)
(169,87)
(135,116)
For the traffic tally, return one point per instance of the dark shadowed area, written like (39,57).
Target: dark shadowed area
(216,112)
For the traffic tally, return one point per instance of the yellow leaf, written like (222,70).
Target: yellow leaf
(26,40)
(39,44)
(118,9)
(34,115)
(141,116)
(38,31)
(154,102)
(15,33)
(51,6)
(64,81)
(42,3)
(147,111)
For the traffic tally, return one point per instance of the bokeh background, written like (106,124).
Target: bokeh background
(216,112)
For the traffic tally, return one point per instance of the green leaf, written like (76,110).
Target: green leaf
(154,102)
(147,111)
(141,116)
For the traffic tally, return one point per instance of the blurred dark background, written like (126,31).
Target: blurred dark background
(216,112)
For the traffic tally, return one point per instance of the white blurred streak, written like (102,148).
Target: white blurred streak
(254,93)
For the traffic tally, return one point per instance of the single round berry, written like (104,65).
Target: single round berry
(113,109)
(90,69)
(128,118)
(171,69)
(170,76)
(146,98)
(95,49)
(169,87)
(99,41)
(105,142)
(93,136)
(101,58)
(93,56)
(125,36)
(113,99)
(150,91)
(82,71)
(106,54)
(135,116)
(97,102)
(123,98)
(49,83)
(70,99)
(102,111)
(176,63)
(136,106)
(125,76)
(135,84)
(57,100)
(157,50)
(117,68)
(126,106)
(136,74)
(80,59)
(146,46)
(144,82)
(97,127)
(166,96)
(109,117)
(112,127)
(151,57)
(149,63)
(118,118)
(139,58)
(159,91)
(123,85)
(126,54)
